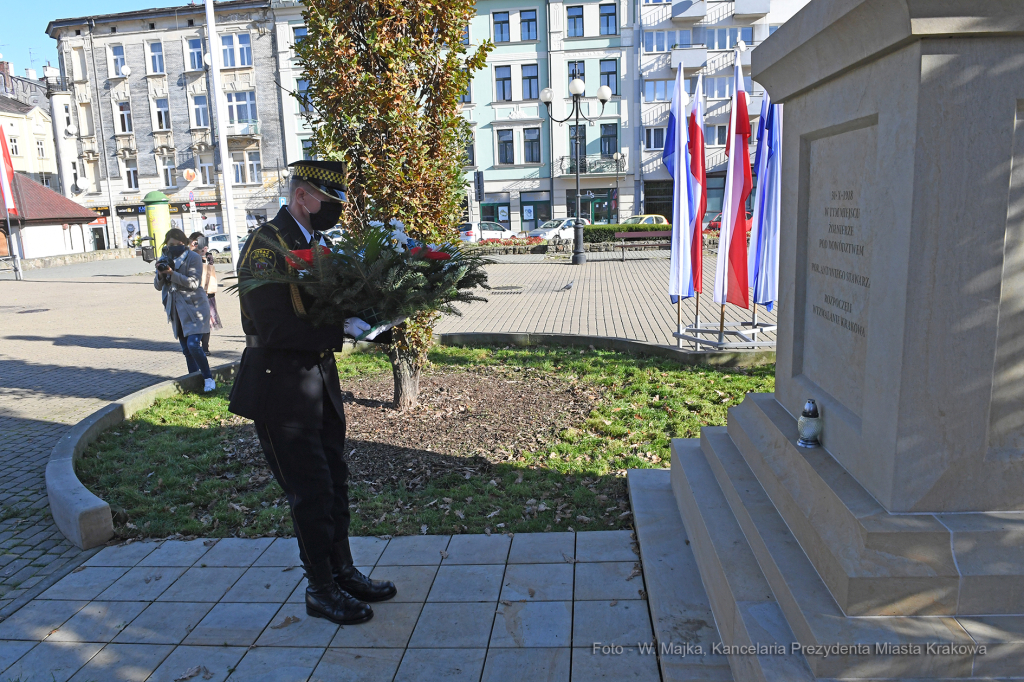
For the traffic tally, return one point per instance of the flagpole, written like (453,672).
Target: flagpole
(721,326)
(679,321)
(696,321)
(754,320)
(12,245)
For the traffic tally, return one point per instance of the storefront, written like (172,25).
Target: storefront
(497,208)
(599,206)
(534,209)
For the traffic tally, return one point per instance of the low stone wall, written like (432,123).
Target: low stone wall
(69,258)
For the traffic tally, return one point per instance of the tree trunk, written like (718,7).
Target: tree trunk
(405,366)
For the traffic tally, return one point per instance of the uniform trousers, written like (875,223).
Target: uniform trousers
(310,466)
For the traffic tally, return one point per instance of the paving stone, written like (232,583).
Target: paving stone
(414,550)
(217,660)
(123,662)
(366,550)
(441,665)
(98,621)
(542,548)
(390,628)
(536,665)
(625,622)
(263,584)
(537,582)
(463,625)
(358,665)
(86,583)
(608,580)
(202,584)
(52,662)
(629,665)
(236,551)
(532,624)
(282,552)
(413,582)
(605,545)
(164,623)
(13,650)
(478,549)
(142,583)
(275,664)
(292,627)
(467,583)
(176,553)
(232,624)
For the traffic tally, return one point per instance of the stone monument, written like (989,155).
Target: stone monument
(901,314)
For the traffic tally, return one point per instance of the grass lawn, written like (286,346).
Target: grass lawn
(188,466)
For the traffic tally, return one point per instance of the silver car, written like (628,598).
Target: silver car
(562,227)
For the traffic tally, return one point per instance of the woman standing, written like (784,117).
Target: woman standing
(179,272)
(197,242)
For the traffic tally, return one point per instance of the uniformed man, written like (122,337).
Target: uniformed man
(288,385)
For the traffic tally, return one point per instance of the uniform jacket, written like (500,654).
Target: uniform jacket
(285,378)
(183,297)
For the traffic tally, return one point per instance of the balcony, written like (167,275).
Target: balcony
(163,141)
(125,145)
(688,11)
(691,57)
(591,164)
(751,9)
(250,128)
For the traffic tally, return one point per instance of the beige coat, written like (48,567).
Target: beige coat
(183,297)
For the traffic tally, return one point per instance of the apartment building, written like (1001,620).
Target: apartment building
(140,113)
(700,38)
(29,135)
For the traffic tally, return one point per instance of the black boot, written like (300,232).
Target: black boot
(324,599)
(350,580)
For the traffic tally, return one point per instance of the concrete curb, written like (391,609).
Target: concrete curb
(746,358)
(71,258)
(82,517)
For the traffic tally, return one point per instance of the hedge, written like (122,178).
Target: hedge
(606,233)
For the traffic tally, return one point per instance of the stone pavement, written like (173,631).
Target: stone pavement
(469,607)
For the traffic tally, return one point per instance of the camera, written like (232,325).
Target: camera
(163,264)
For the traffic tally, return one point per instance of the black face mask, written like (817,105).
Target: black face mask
(326,217)
(175,251)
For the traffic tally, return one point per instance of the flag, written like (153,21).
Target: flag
(677,159)
(731,285)
(7,174)
(700,178)
(764,235)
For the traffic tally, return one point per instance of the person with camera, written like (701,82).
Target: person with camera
(179,273)
(197,242)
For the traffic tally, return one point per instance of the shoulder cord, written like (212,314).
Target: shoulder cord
(297,304)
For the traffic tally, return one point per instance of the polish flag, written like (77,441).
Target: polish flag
(731,285)
(677,160)
(6,174)
(700,177)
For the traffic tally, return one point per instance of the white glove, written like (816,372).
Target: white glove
(355,327)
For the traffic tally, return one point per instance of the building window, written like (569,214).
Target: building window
(191,22)
(242,105)
(718,88)
(74,173)
(202,111)
(610,74)
(299,34)
(609,26)
(125,113)
(501,29)
(716,135)
(609,139)
(576,70)
(302,90)
(163,115)
(531,145)
(67,114)
(528,24)
(238,166)
(118,52)
(244,49)
(228,50)
(531,82)
(728,38)
(46,180)
(131,174)
(169,175)
(307,149)
(574,21)
(655,138)
(467,96)
(13,145)
(663,41)
(506,156)
(206,169)
(772,29)
(471,152)
(255,168)
(503,83)
(577,141)
(661,91)
(195,54)
(156,57)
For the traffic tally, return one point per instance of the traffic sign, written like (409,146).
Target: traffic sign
(192,198)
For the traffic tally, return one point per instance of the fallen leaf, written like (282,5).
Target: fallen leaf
(614,602)
(519,478)
(494,513)
(423,529)
(285,623)
(569,559)
(290,568)
(460,514)
(79,569)
(444,554)
(192,672)
(532,591)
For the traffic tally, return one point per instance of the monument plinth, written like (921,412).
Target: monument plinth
(901,313)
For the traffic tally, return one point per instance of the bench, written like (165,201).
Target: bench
(667,234)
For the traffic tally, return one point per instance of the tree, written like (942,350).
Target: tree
(385,80)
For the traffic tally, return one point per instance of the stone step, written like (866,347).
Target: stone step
(680,611)
(746,612)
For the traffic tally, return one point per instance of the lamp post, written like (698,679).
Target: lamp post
(576,88)
(618,158)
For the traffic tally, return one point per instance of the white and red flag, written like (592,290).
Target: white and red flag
(6,174)
(731,284)
(699,174)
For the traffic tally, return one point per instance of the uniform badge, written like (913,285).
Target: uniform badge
(262,262)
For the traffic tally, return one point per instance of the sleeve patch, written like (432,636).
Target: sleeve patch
(262,262)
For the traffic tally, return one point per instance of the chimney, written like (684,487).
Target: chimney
(5,77)
(31,74)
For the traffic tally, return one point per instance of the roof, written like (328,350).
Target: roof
(155,12)
(9,105)
(38,205)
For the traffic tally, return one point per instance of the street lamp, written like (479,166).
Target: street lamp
(576,88)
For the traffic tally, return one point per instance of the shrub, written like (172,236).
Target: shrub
(606,233)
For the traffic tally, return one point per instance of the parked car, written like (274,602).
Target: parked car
(474,232)
(563,228)
(221,242)
(716,222)
(646,219)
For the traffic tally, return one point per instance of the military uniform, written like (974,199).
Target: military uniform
(287,383)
